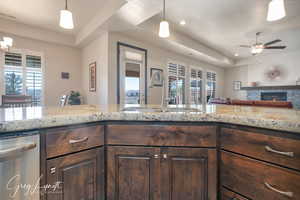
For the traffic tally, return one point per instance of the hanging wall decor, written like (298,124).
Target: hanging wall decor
(93,77)
(156,77)
(237,85)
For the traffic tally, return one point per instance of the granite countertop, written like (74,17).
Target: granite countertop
(29,118)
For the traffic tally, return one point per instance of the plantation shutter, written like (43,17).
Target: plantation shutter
(13,59)
(34,78)
(211,85)
(33,61)
(195,86)
(176,80)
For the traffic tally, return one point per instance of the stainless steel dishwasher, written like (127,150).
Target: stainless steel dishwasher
(20,166)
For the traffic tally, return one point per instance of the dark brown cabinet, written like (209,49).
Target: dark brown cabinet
(257,179)
(229,195)
(78,176)
(133,173)
(188,173)
(167,173)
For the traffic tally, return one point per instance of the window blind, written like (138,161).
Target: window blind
(195,86)
(13,59)
(172,68)
(176,86)
(23,78)
(33,61)
(211,85)
(34,84)
(211,76)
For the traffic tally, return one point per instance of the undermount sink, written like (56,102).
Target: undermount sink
(142,109)
(182,110)
(147,109)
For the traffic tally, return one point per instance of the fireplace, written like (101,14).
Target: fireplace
(274,96)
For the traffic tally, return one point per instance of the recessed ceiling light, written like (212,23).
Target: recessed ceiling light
(236,54)
(182,22)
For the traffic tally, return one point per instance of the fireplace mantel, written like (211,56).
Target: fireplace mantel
(282,87)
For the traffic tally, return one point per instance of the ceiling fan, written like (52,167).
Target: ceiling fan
(258,47)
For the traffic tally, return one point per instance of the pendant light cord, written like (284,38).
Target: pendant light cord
(66,4)
(164,10)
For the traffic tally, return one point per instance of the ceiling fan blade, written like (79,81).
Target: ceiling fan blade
(275,47)
(245,46)
(272,42)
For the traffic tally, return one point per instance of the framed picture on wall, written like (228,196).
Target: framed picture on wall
(237,85)
(93,77)
(156,77)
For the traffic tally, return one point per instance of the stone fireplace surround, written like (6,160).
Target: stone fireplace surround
(292,95)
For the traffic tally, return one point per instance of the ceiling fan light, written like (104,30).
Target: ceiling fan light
(257,49)
(164,29)
(8,41)
(66,19)
(276,10)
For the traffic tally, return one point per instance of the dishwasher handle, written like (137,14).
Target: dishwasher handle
(15,151)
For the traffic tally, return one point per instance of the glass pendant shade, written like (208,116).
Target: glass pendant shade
(66,19)
(164,30)
(276,10)
(2,45)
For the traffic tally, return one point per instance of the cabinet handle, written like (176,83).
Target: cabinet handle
(72,141)
(52,170)
(165,156)
(288,194)
(290,154)
(14,151)
(156,156)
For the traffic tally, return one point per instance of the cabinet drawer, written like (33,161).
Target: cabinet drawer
(160,135)
(228,195)
(278,150)
(258,180)
(63,141)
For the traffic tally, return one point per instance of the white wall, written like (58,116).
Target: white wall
(235,74)
(254,69)
(58,58)
(158,58)
(96,51)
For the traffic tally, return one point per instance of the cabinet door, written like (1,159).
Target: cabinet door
(78,176)
(133,173)
(189,174)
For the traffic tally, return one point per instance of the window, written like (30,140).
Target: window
(176,80)
(132,83)
(195,86)
(211,79)
(23,75)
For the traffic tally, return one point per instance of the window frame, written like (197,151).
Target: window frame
(203,83)
(23,53)
(186,88)
(206,82)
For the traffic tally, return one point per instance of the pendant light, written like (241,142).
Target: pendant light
(164,29)
(6,43)
(276,10)
(66,18)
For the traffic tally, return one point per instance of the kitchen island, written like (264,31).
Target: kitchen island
(19,119)
(209,152)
